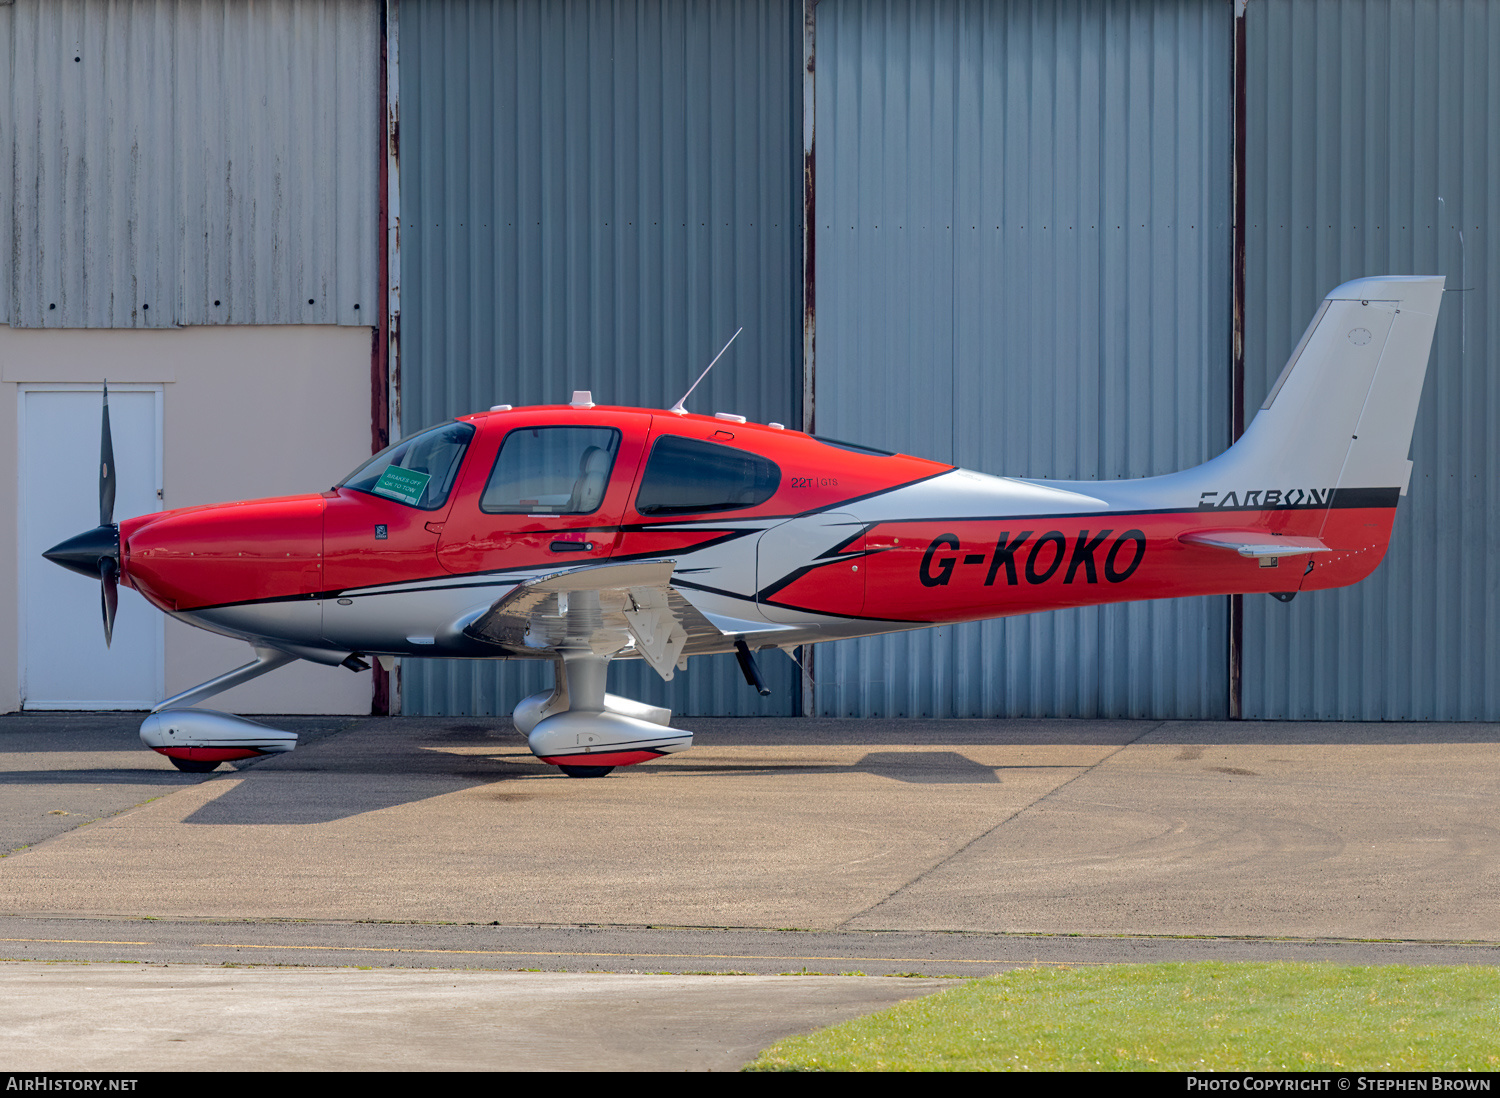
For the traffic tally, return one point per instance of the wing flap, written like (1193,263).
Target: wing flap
(629,608)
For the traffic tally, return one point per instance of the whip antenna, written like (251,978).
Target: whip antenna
(678,409)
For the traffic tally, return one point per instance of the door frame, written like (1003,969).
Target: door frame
(158,683)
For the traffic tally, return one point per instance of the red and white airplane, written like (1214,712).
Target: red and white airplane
(581,534)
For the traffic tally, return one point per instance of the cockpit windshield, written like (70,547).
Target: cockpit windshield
(418,471)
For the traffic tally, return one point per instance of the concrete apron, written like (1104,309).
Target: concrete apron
(1351,831)
(1055,827)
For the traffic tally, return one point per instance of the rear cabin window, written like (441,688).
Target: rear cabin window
(551,471)
(418,471)
(687,476)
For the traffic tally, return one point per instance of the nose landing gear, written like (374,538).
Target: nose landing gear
(198,740)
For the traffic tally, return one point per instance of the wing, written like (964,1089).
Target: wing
(609,609)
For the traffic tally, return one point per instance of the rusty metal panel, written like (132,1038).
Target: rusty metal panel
(212,162)
(7,164)
(1372,143)
(1022,252)
(595,196)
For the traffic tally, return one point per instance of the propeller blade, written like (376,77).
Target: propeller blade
(109,596)
(106,468)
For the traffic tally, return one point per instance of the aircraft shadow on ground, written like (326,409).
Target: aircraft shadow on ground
(314,793)
(152,776)
(387,763)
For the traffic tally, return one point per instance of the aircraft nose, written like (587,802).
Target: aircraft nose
(82,552)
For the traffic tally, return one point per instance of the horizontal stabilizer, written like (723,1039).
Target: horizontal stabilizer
(1254,543)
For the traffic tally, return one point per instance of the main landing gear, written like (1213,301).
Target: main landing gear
(576,727)
(585,732)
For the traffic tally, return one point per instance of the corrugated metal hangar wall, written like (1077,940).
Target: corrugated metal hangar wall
(1042,245)
(1373,146)
(194,163)
(595,196)
(1023,268)
(189,207)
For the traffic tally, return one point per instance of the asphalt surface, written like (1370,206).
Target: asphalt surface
(452,875)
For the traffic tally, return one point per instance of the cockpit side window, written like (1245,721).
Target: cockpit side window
(687,476)
(418,471)
(551,471)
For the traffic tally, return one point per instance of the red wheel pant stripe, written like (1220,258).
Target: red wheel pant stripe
(209,754)
(602,758)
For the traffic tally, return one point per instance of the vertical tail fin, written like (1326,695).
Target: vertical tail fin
(1341,413)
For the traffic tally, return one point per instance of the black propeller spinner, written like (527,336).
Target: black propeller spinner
(97,552)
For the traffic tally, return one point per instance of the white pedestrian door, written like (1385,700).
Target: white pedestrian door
(64,663)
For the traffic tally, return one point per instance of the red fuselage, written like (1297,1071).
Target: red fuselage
(929,563)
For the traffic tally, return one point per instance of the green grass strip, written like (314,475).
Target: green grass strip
(1176,1017)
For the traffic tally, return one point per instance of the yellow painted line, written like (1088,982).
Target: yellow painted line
(568,953)
(659,956)
(75,941)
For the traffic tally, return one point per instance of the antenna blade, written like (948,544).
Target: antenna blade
(678,408)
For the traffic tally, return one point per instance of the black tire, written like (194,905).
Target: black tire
(193,766)
(585,771)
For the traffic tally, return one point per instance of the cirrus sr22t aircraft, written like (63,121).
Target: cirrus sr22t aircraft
(582,534)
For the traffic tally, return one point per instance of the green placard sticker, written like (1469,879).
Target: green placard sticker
(403,485)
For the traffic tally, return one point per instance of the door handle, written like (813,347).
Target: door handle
(571,546)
